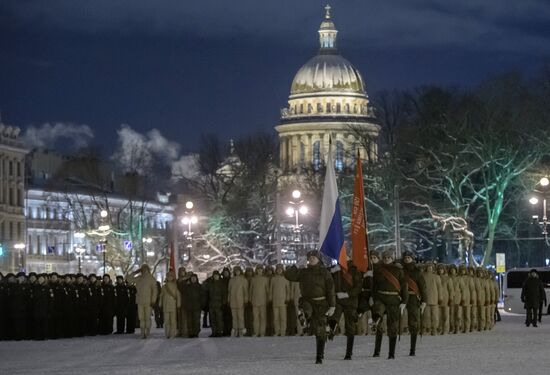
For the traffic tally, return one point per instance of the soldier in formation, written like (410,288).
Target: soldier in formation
(318,298)
(50,306)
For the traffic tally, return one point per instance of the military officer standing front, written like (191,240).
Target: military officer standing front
(318,297)
(390,297)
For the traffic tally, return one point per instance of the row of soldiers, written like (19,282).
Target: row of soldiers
(428,298)
(256,302)
(51,306)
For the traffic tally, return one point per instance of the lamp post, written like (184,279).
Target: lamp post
(189,219)
(297,208)
(543,182)
(19,247)
(79,249)
(104,229)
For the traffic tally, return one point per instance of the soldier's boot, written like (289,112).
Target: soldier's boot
(349,346)
(393,341)
(377,344)
(412,353)
(320,349)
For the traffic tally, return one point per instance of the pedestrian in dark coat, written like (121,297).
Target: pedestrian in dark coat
(531,295)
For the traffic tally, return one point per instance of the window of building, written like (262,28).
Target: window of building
(338,108)
(346,106)
(339,164)
(309,108)
(328,108)
(10,169)
(18,169)
(319,108)
(302,108)
(316,157)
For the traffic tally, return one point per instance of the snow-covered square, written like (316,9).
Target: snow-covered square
(511,348)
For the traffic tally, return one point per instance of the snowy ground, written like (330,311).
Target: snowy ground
(510,348)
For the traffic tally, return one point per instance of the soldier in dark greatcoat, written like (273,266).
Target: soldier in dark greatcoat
(390,297)
(192,294)
(93,304)
(121,309)
(318,298)
(18,305)
(217,297)
(131,312)
(3,306)
(107,310)
(417,297)
(347,286)
(42,308)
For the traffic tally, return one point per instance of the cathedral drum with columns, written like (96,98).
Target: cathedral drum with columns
(327,101)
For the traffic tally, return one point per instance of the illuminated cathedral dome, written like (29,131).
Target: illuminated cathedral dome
(328,71)
(327,101)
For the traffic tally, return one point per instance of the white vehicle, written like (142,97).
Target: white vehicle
(513,283)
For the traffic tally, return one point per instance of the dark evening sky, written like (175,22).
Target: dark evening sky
(187,68)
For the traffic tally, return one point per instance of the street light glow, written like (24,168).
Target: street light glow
(189,205)
(147,240)
(104,228)
(79,235)
(19,246)
(290,211)
(544,181)
(185,220)
(194,220)
(296,194)
(303,210)
(103,213)
(533,200)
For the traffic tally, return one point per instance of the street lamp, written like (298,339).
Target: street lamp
(19,246)
(79,250)
(296,208)
(189,219)
(544,182)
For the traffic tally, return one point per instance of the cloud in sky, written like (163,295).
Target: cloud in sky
(47,135)
(473,24)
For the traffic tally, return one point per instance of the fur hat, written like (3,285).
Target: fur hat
(408,253)
(388,254)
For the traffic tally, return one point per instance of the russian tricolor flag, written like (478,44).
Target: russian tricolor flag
(331,233)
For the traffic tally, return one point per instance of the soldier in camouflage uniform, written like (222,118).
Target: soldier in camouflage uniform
(455,310)
(318,297)
(390,297)
(465,302)
(417,297)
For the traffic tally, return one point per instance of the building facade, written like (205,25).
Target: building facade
(12,191)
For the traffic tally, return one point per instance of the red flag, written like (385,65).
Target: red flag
(172,265)
(359,240)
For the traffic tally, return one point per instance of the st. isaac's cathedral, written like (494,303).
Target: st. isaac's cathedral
(327,101)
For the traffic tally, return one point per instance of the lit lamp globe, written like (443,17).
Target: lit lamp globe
(103,213)
(303,210)
(544,181)
(296,194)
(189,205)
(533,200)
(290,211)
(194,220)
